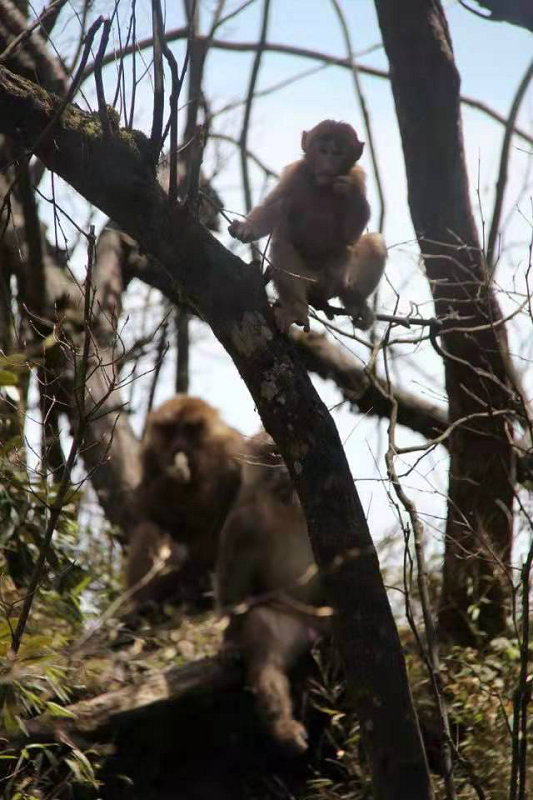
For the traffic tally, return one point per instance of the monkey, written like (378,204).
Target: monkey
(191,475)
(266,579)
(316,216)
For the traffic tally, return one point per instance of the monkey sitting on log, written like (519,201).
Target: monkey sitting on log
(191,475)
(316,215)
(266,580)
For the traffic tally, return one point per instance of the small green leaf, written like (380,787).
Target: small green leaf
(59,711)
(8,378)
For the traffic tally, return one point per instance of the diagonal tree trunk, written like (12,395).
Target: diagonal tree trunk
(425,83)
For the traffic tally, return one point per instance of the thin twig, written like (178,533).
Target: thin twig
(504,164)
(302,52)
(193,133)
(102,107)
(161,351)
(243,139)
(406,322)
(230,15)
(364,110)
(175,92)
(133,64)
(270,173)
(159,80)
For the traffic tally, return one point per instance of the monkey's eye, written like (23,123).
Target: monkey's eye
(192,427)
(166,430)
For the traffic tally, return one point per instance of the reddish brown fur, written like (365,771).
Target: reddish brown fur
(264,551)
(316,215)
(191,463)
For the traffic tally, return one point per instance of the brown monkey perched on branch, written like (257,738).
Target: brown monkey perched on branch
(316,215)
(191,474)
(266,579)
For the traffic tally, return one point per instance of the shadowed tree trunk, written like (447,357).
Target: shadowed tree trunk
(425,83)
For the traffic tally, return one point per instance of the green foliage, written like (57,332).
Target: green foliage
(478,688)
(24,503)
(43,677)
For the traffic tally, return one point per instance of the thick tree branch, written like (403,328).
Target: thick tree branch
(369,394)
(107,710)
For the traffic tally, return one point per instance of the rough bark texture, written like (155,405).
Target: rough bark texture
(112,173)
(425,84)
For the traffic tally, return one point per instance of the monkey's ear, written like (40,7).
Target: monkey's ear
(358,150)
(304,141)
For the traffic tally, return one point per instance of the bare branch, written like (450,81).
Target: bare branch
(156,136)
(504,163)
(243,140)
(102,107)
(365,391)
(302,52)
(364,110)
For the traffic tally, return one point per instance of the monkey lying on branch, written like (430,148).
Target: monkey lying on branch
(266,580)
(316,216)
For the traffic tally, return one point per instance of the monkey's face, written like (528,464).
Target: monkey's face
(331,149)
(328,159)
(177,442)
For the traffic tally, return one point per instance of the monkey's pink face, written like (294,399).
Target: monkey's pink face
(328,159)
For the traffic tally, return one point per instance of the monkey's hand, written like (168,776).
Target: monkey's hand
(343,185)
(364,319)
(242,231)
(291,735)
(180,468)
(286,316)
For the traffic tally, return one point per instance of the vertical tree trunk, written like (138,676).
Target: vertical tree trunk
(425,83)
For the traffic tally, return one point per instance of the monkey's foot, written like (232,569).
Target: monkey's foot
(364,319)
(230,653)
(242,231)
(291,736)
(285,317)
